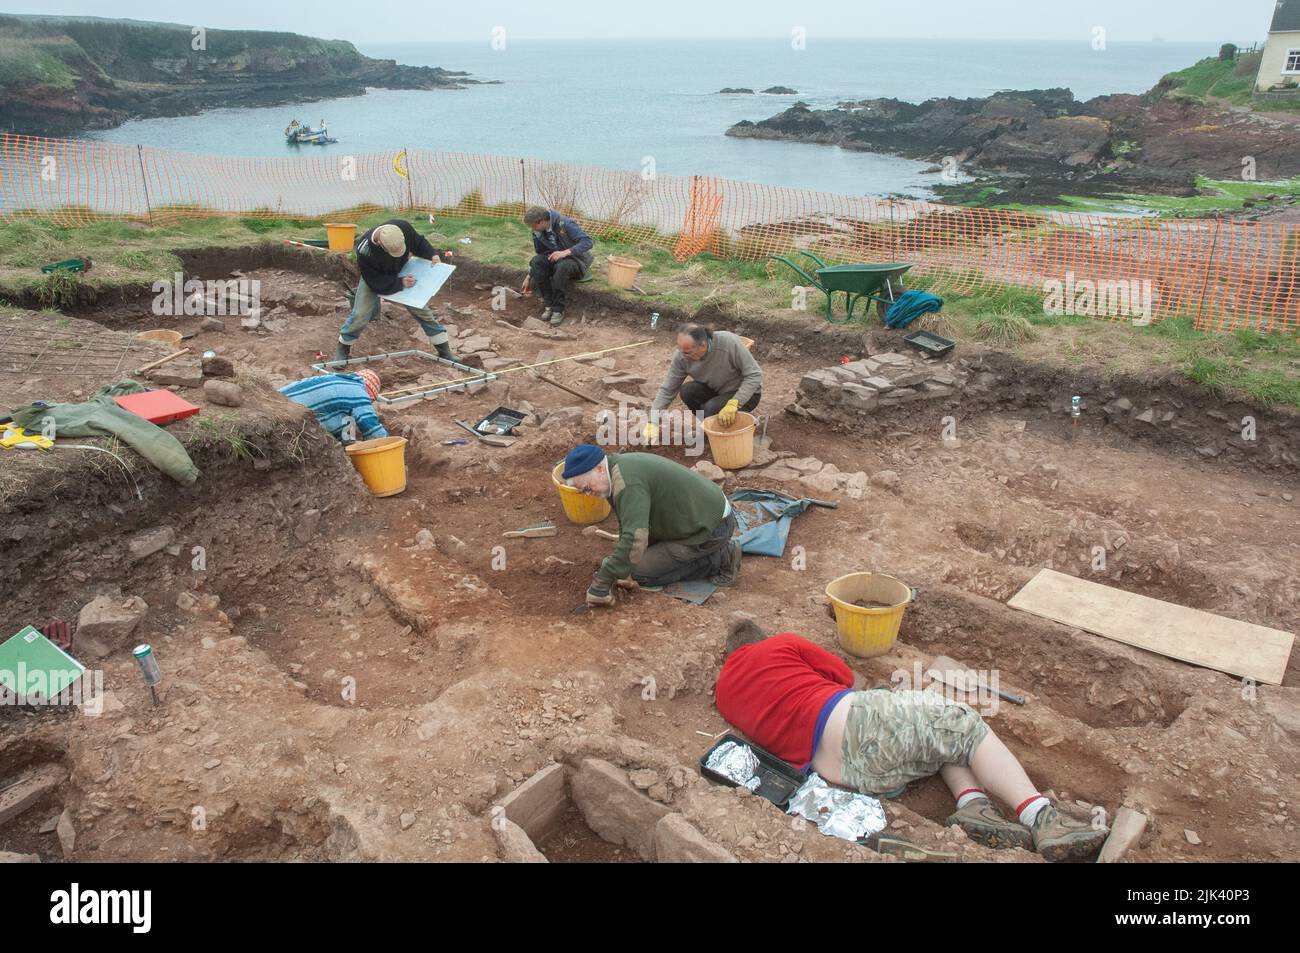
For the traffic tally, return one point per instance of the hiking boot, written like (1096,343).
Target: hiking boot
(1058,836)
(729,570)
(557,317)
(546,313)
(444,351)
(343,352)
(985,825)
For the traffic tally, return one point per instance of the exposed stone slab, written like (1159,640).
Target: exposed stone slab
(614,808)
(676,841)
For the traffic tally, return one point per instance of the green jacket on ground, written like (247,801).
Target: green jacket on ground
(100,417)
(657,500)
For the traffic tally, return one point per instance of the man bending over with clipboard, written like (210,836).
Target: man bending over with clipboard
(382,252)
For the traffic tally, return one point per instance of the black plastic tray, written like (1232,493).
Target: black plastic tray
(930,343)
(504,417)
(778,780)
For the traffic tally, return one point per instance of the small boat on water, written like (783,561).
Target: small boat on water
(297,134)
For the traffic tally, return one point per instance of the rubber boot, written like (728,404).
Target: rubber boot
(342,352)
(729,567)
(444,351)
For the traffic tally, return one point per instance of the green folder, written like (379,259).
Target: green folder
(32,665)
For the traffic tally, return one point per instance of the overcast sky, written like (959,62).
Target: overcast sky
(375,21)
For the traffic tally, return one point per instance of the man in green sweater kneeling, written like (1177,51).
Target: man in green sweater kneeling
(674,525)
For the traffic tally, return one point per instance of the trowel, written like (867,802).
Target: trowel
(952,673)
(490,439)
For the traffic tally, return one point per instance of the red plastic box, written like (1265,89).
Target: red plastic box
(157,406)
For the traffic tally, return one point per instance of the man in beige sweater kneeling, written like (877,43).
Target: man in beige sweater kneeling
(725,378)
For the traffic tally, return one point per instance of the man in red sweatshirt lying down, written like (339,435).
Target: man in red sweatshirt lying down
(798,701)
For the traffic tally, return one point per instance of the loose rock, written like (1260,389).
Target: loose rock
(225,393)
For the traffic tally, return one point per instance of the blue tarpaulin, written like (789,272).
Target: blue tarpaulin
(764,533)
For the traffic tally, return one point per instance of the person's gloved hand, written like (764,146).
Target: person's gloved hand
(727,415)
(599,593)
(650,434)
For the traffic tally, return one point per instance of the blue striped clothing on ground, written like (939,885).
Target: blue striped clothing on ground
(336,399)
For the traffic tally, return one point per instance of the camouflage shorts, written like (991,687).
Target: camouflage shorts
(892,738)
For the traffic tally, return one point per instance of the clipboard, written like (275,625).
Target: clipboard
(429,278)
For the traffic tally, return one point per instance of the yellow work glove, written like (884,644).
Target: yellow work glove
(649,434)
(727,415)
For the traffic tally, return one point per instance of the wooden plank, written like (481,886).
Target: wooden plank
(1189,635)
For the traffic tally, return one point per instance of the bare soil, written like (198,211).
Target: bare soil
(367,691)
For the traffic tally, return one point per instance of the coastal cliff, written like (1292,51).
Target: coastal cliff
(64,75)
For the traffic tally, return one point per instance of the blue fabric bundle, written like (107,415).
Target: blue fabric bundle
(909,306)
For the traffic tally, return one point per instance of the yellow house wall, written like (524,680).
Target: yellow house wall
(1273,61)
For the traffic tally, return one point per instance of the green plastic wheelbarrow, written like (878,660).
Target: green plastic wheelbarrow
(68,264)
(879,283)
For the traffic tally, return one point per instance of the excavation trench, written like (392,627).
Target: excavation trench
(380,640)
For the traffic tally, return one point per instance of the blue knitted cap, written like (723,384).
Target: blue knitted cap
(582,458)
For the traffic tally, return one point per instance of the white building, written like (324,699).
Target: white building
(1280,63)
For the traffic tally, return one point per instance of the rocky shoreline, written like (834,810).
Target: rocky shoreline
(65,76)
(1038,144)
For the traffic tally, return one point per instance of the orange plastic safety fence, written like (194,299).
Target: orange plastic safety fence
(1223,274)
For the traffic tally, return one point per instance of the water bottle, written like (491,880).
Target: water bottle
(654,319)
(1074,406)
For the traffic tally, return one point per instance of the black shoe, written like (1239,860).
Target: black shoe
(444,351)
(343,352)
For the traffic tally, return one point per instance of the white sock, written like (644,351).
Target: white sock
(970,794)
(1028,812)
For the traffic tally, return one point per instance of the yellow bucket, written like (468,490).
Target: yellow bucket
(163,336)
(342,236)
(732,447)
(578,506)
(867,632)
(623,271)
(381,463)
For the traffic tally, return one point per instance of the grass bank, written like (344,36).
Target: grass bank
(1262,367)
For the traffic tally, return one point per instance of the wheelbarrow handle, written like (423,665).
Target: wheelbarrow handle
(797,270)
